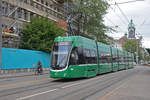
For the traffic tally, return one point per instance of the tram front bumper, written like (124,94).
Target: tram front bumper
(61,74)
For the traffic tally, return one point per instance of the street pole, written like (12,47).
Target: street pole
(137,57)
(137,52)
(0,36)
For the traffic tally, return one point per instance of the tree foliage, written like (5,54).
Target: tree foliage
(130,46)
(93,12)
(39,34)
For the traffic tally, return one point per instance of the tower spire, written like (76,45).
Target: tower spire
(131,29)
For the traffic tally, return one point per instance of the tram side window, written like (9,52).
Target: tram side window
(86,54)
(121,59)
(80,54)
(105,57)
(127,59)
(90,56)
(130,59)
(115,59)
(76,56)
(124,59)
(93,57)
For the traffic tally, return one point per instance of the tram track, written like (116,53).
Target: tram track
(108,84)
(21,89)
(103,82)
(97,87)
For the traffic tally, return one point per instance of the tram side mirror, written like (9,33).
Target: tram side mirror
(74,55)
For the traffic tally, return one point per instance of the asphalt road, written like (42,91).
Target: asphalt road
(44,88)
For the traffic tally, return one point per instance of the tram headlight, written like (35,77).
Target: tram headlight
(65,74)
(56,73)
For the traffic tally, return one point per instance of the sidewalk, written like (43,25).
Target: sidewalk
(21,74)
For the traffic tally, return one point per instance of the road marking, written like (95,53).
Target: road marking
(22,98)
(70,85)
(30,96)
(23,83)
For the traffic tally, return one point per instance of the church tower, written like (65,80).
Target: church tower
(131,30)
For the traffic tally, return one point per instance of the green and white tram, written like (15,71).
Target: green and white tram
(76,57)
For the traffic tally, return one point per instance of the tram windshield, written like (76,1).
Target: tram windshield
(60,54)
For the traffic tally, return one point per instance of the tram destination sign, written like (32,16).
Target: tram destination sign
(63,43)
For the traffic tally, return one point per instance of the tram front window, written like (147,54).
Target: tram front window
(60,54)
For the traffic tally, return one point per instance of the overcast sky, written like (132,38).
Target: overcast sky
(139,11)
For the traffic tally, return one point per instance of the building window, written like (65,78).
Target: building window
(19,12)
(31,15)
(3,11)
(37,6)
(25,1)
(42,1)
(25,15)
(31,3)
(46,3)
(50,6)
(20,0)
(55,8)
(47,10)
(41,8)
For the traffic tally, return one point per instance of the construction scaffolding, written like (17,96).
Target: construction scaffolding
(16,12)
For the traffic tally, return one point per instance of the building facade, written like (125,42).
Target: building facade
(131,35)
(16,12)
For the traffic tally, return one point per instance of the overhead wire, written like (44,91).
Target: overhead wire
(113,23)
(119,17)
(126,2)
(122,21)
(122,13)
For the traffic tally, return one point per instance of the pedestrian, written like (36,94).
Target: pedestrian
(39,68)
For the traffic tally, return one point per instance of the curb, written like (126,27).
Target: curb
(15,76)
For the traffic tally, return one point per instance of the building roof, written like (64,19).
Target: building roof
(122,40)
(131,24)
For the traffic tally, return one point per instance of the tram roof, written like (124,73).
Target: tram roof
(80,38)
(67,38)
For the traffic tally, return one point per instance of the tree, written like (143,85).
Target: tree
(130,46)
(93,12)
(39,34)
